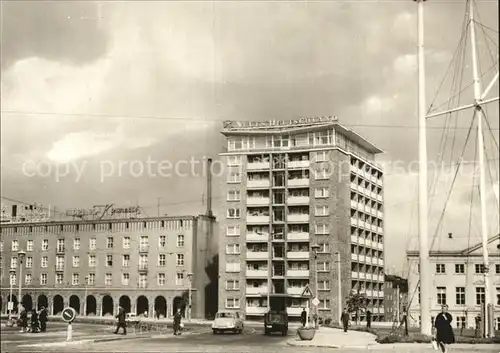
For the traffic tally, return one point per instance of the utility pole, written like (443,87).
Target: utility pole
(158,205)
(339,288)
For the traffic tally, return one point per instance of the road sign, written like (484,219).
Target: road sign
(315,301)
(307,292)
(10,306)
(68,315)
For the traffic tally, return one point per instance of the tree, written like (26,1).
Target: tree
(356,303)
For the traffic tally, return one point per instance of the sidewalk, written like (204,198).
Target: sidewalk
(334,338)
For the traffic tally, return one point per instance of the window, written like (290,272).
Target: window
(233,249)
(161,279)
(75,279)
(144,243)
(233,230)
(28,278)
(109,260)
(76,261)
(91,279)
(234,177)
(460,295)
(321,229)
(44,261)
(440,268)
(321,192)
(143,281)
(233,213)
(15,245)
(324,248)
(233,195)
(92,243)
(13,279)
(323,285)
(180,260)
(108,279)
(60,245)
(179,280)
(143,262)
(321,156)
(419,295)
(479,268)
(126,242)
(109,242)
(162,242)
(13,262)
(125,260)
(232,267)
(59,278)
(232,303)
(322,173)
(125,279)
(76,244)
(497,268)
(323,266)
(480,295)
(60,263)
(232,285)
(324,304)
(234,160)
(498,296)
(461,320)
(43,279)
(459,268)
(29,245)
(92,261)
(180,241)
(162,260)
(322,211)
(29,262)
(45,244)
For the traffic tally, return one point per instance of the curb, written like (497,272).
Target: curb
(377,346)
(83,341)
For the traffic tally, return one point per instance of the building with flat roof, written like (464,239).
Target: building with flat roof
(145,265)
(297,195)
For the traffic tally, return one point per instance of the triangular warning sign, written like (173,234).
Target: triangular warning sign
(307,292)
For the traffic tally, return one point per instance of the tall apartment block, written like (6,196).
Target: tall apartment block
(299,195)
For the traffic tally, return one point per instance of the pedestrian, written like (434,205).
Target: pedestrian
(121,321)
(443,331)
(43,318)
(478,326)
(34,321)
(23,320)
(368,319)
(177,322)
(303,317)
(157,314)
(345,320)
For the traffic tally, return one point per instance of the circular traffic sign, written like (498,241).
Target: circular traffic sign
(68,315)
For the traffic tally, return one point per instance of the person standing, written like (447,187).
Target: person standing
(345,320)
(121,321)
(443,331)
(303,317)
(42,317)
(177,322)
(23,320)
(34,321)
(368,319)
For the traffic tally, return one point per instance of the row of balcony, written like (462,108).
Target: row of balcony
(289,165)
(366,209)
(265,273)
(364,191)
(355,222)
(291,218)
(265,183)
(366,175)
(367,259)
(290,255)
(367,242)
(264,238)
(265,201)
(367,276)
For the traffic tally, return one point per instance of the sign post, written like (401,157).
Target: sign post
(69,315)
(306,293)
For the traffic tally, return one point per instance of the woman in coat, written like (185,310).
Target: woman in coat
(444,330)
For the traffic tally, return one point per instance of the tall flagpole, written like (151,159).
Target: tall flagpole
(425,289)
(482,180)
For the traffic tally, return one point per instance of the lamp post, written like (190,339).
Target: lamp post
(339,287)
(85,297)
(21,254)
(315,248)
(10,306)
(190,278)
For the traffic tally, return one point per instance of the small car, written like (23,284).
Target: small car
(276,321)
(132,318)
(227,321)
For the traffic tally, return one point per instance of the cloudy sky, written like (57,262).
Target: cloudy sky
(87,87)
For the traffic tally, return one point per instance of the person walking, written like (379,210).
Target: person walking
(345,320)
(121,321)
(23,320)
(368,319)
(303,317)
(177,322)
(443,331)
(43,318)
(34,321)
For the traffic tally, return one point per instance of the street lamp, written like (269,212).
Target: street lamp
(339,287)
(10,304)
(85,297)
(315,248)
(21,254)
(190,278)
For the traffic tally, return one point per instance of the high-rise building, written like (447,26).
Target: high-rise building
(299,195)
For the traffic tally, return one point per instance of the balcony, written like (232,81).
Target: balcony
(257,255)
(257,273)
(142,267)
(369,293)
(362,258)
(257,238)
(143,248)
(258,201)
(298,182)
(374,227)
(297,273)
(380,278)
(354,239)
(354,221)
(368,243)
(257,219)
(297,236)
(256,290)
(380,230)
(143,285)
(380,246)
(255,310)
(299,218)
(354,275)
(354,186)
(59,268)
(258,165)
(295,290)
(60,250)
(362,275)
(379,198)
(298,200)
(295,311)
(258,184)
(298,255)
(298,164)
(380,294)
(368,259)
(380,214)
(354,257)
(381,310)
(380,262)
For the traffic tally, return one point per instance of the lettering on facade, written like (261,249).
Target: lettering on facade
(104,211)
(234,125)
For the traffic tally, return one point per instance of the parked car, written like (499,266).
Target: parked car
(276,321)
(227,321)
(132,318)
